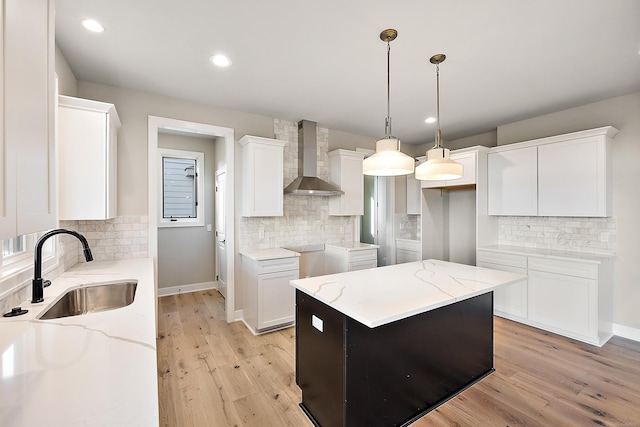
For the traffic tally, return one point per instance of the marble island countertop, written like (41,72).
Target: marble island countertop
(378,296)
(97,369)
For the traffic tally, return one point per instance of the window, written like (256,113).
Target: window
(12,247)
(181,188)
(16,259)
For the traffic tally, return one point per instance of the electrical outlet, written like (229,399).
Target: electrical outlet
(261,233)
(208,227)
(341,230)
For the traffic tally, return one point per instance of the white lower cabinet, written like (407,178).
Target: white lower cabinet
(276,299)
(572,297)
(408,251)
(511,301)
(269,298)
(352,257)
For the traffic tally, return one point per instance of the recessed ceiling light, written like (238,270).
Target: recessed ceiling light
(220,60)
(92,25)
(430,120)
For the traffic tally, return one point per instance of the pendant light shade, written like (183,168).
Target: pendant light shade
(388,160)
(438,165)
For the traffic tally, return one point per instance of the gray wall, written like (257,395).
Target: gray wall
(67,83)
(186,255)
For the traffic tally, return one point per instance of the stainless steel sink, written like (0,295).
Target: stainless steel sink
(91,298)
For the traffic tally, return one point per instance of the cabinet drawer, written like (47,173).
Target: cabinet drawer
(501,258)
(362,265)
(409,245)
(364,255)
(568,267)
(280,264)
(403,255)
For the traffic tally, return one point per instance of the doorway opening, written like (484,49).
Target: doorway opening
(158,125)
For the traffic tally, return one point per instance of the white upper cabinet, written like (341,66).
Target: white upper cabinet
(27,122)
(573,178)
(468,161)
(512,182)
(262,176)
(345,171)
(564,175)
(87,147)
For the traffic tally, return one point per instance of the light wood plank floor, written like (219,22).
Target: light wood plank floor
(211,373)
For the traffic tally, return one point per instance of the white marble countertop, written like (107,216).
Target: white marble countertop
(382,295)
(352,246)
(548,253)
(97,369)
(271,253)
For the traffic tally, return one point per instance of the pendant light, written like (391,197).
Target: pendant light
(388,160)
(438,165)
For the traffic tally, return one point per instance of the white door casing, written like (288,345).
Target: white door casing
(221,235)
(155,124)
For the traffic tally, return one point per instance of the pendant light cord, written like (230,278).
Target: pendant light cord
(438,135)
(388,119)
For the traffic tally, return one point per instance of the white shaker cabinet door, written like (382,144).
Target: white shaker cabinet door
(564,304)
(512,182)
(87,157)
(262,176)
(27,184)
(345,171)
(276,299)
(572,178)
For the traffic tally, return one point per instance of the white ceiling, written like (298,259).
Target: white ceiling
(323,60)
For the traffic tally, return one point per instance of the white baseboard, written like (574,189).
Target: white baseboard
(626,332)
(175,290)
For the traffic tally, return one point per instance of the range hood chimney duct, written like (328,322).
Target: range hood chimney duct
(307,183)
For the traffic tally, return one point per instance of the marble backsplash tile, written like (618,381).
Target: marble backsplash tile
(573,234)
(122,237)
(407,226)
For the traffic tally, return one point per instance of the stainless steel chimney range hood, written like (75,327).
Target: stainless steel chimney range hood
(308,183)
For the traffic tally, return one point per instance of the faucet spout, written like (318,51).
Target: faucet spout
(37,285)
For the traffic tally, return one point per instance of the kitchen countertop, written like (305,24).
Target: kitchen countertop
(271,253)
(548,253)
(352,246)
(97,369)
(382,295)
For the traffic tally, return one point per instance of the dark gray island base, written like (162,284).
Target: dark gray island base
(390,375)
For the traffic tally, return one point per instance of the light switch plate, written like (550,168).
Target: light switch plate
(317,323)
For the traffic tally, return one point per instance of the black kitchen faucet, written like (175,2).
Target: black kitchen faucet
(38,284)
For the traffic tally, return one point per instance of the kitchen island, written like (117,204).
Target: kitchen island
(384,346)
